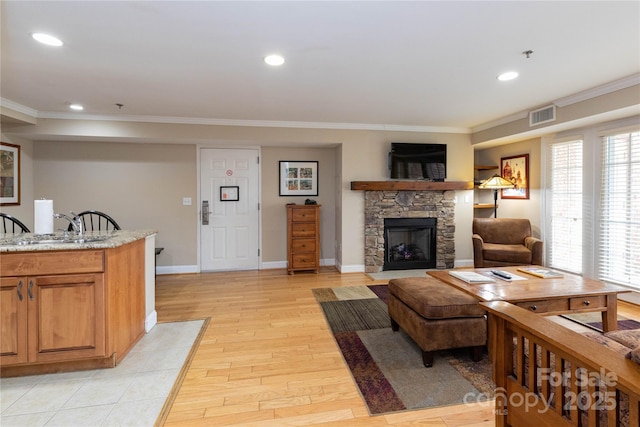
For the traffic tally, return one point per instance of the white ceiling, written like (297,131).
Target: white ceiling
(427,63)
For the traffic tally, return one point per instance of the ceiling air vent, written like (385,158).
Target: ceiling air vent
(542,115)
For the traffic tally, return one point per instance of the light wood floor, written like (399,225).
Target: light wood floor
(268,358)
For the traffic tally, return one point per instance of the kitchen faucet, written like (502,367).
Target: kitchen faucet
(76,222)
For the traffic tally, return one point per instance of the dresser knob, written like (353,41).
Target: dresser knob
(586,302)
(533,307)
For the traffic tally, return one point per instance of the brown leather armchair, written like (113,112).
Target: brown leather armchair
(504,241)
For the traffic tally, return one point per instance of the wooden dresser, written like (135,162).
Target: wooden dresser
(303,238)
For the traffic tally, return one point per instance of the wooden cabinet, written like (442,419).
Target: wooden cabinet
(52,318)
(13,320)
(303,238)
(67,310)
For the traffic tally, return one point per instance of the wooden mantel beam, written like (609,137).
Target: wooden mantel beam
(411,185)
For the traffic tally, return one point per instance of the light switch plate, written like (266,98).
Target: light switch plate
(186,201)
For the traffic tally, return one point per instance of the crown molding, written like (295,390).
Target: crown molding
(604,89)
(501,121)
(253,123)
(230,122)
(7,103)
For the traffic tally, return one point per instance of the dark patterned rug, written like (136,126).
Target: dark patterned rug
(594,321)
(387,366)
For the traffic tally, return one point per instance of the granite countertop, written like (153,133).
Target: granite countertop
(89,240)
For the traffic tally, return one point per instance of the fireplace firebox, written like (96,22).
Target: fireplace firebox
(409,243)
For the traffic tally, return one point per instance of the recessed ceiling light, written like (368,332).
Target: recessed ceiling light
(509,75)
(47,39)
(274,60)
(76,107)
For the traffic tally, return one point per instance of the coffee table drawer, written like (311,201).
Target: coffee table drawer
(596,301)
(545,306)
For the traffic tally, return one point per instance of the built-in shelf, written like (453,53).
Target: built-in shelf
(483,206)
(485,167)
(411,185)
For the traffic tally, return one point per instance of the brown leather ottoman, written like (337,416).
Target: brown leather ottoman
(437,316)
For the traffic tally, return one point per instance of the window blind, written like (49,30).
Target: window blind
(564,247)
(619,246)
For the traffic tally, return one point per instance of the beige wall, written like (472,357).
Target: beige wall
(140,172)
(515,208)
(274,216)
(140,185)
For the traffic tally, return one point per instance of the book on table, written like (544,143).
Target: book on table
(471,276)
(544,273)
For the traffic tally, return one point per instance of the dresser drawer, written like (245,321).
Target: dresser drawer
(303,229)
(545,306)
(305,260)
(303,245)
(304,214)
(598,301)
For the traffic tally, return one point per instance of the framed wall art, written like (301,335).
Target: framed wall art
(9,174)
(516,170)
(298,178)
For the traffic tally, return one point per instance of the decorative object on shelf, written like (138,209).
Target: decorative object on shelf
(516,170)
(9,174)
(229,193)
(298,178)
(495,183)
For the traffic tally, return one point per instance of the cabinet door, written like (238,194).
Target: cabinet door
(66,317)
(13,320)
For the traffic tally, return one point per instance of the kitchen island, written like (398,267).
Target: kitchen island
(71,302)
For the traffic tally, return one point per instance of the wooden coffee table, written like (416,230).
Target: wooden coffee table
(569,294)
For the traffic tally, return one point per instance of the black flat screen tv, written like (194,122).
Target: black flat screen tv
(418,161)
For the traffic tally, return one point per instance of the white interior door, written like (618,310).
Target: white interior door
(229,217)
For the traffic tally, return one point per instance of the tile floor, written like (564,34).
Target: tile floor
(131,394)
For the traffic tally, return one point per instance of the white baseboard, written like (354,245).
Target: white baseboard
(283,264)
(358,268)
(463,263)
(151,321)
(177,269)
(273,265)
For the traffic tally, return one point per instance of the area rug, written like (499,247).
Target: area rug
(387,366)
(594,321)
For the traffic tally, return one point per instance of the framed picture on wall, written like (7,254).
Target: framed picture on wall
(516,170)
(9,174)
(298,178)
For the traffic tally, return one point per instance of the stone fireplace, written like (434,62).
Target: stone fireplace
(434,204)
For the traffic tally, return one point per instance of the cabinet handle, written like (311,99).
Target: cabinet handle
(29,291)
(533,307)
(586,303)
(20,290)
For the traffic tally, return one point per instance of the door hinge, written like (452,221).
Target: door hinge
(258,252)
(258,205)
(258,159)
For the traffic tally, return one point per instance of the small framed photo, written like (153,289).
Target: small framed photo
(516,170)
(9,174)
(229,193)
(298,178)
